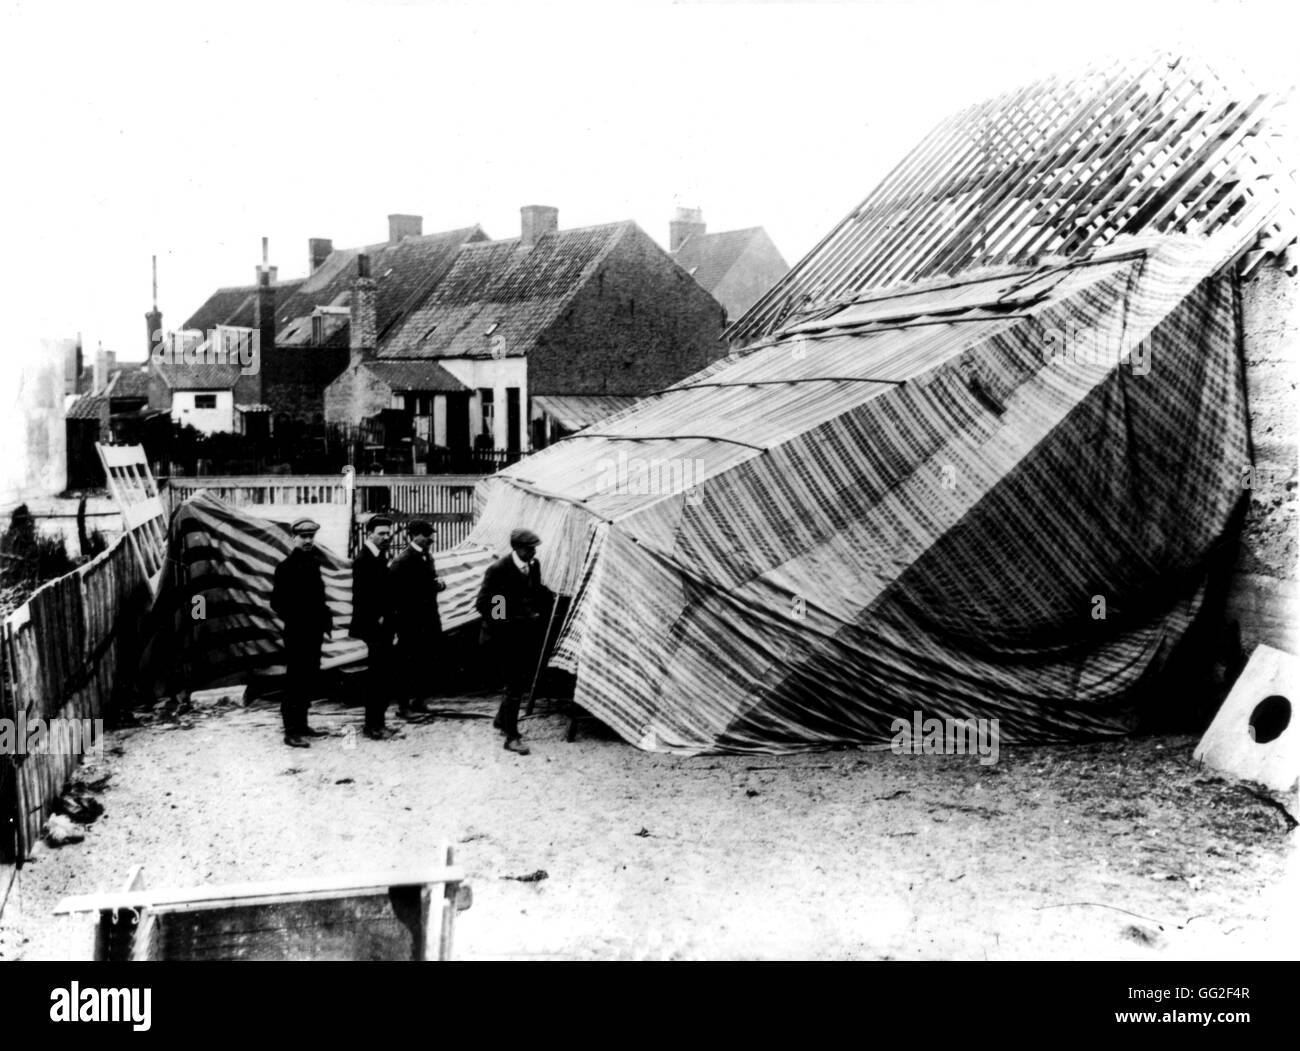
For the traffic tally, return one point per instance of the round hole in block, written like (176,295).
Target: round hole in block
(1269,719)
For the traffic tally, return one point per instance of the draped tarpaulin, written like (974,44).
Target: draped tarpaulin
(213,616)
(996,497)
(992,499)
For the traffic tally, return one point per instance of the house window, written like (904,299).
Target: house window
(205,401)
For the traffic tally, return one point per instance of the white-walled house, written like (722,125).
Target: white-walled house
(209,411)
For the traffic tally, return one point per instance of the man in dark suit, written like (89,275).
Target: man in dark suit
(372,621)
(298,597)
(514,607)
(415,587)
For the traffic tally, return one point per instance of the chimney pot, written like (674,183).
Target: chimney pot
(535,221)
(400,226)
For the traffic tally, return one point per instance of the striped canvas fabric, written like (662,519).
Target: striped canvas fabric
(213,616)
(999,504)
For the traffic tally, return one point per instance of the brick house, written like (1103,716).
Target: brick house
(522,340)
(464,341)
(734,266)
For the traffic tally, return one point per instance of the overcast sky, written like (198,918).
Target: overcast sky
(192,130)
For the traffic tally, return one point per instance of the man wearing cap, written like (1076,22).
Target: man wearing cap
(372,621)
(512,603)
(415,587)
(298,597)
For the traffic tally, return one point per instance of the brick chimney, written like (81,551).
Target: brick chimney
(264,309)
(318,250)
(400,226)
(363,324)
(535,220)
(686,223)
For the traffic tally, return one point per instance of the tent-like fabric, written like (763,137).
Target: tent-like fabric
(991,498)
(213,618)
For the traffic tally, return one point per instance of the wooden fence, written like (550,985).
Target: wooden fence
(65,653)
(444,500)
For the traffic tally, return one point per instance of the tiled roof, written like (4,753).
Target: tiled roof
(199,377)
(87,407)
(415,375)
(502,294)
(234,305)
(709,257)
(402,273)
(129,383)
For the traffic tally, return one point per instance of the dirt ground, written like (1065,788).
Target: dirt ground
(1117,850)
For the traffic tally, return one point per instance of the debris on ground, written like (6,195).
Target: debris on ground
(80,807)
(60,831)
(90,777)
(532,877)
(1141,935)
(644,833)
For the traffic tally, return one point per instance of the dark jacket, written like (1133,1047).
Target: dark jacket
(414,584)
(298,596)
(372,604)
(508,599)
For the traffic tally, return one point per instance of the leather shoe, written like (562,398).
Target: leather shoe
(517,746)
(311,731)
(379,734)
(294,741)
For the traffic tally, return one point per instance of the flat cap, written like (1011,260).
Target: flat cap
(375,521)
(524,538)
(305,526)
(419,528)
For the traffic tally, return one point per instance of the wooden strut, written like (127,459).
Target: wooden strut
(541,656)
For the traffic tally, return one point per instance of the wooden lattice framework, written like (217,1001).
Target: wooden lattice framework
(1055,170)
(132,486)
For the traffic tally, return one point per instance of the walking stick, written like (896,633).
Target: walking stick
(541,656)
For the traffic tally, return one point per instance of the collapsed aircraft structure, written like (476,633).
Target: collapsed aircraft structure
(973,456)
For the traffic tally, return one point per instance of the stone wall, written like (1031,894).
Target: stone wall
(1263,600)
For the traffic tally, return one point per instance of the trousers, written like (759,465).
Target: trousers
(379,678)
(514,649)
(302,680)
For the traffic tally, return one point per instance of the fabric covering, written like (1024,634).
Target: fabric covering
(928,521)
(897,509)
(227,558)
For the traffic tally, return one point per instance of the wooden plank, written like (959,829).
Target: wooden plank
(270,890)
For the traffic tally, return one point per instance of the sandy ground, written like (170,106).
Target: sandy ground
(1120,850)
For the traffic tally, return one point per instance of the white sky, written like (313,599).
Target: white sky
(192,130)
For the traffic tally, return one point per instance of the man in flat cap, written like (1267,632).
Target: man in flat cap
(298,597)
(415,587)
(372,621)
(513,604)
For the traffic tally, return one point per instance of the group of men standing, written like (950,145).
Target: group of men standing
(395,612)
